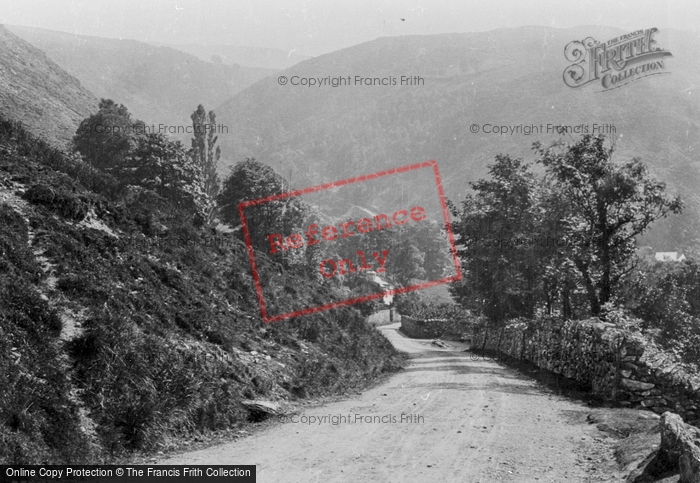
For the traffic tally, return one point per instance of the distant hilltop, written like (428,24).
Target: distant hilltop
(276,59)
(158,84)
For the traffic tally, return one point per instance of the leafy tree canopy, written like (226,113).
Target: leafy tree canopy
(106,139)
(608,206)
(250,180)
(557,242)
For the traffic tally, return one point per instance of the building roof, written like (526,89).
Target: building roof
(669,256)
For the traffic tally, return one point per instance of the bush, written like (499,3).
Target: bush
(67,204)
(413,305)
(666,297)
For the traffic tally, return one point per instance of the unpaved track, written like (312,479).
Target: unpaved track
(480,422)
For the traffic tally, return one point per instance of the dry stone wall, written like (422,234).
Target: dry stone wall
(613,363)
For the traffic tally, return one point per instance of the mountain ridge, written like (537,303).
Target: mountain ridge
(257,57)
(510,77)
(159,85)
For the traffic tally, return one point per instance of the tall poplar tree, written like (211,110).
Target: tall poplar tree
(206,155)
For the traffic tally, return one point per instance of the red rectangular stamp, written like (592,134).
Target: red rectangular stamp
(370,237)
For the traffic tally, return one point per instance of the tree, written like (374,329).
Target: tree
(501,272)
(250,180)
(165,167)
(416,251)
(206,155)
(111,140)
(607,206)
(561,281)
(432,239)
(407,264)
(106,139)
(666,296)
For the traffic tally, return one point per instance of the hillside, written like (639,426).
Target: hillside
(37,92)
(124,327)
(159,84)
(272,59)
(506,77)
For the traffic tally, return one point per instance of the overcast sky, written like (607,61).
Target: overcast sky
(313,27)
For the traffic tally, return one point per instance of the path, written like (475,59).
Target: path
(472,421)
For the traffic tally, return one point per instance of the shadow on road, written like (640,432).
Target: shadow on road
(556,383)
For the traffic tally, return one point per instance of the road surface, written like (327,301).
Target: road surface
(445,418)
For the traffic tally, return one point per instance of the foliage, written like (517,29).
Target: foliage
(609,205)
(361,285)
(106,138)
(168,319)
(416,251)
(115,143)
(541,244)
(206,155)
(164,167)
(413,305)
(250,180)
(666,297)
(500,270)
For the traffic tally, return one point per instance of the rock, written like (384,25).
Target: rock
(439,343)
(679,447)
(636,386)
(262,407)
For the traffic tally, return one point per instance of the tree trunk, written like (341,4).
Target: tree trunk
(590,287)
(566,304)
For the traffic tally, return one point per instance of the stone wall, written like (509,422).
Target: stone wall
(613,363)
(432,328)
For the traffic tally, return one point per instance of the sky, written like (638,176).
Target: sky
(314,27)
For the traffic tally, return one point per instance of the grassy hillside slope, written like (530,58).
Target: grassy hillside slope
(37,92)
(122,325)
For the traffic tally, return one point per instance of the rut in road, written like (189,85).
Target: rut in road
(445,417)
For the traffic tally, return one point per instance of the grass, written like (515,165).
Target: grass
(170,320)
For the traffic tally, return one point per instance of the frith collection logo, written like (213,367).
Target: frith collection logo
(614,63)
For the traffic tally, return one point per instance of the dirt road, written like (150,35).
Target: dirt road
(445,418)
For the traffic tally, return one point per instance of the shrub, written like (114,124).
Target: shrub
(68,204)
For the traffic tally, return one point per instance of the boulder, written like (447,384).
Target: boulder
(636,386)
(262,407)
(679,445)
(677,453)
(440,343)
